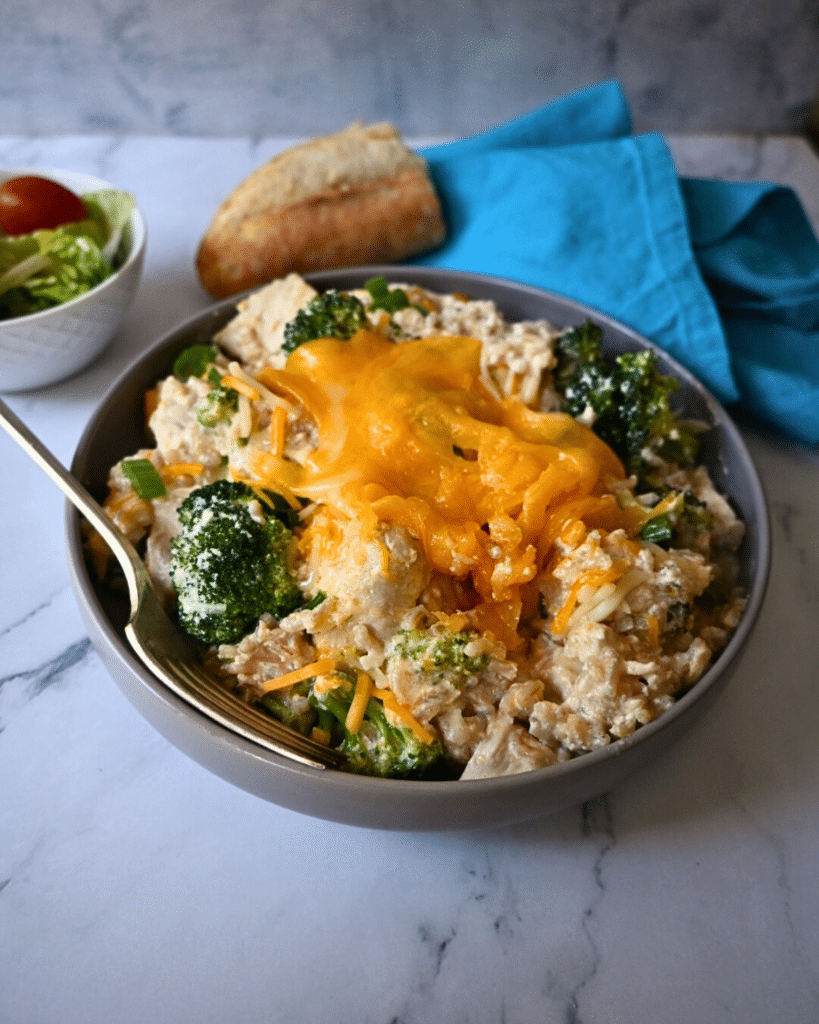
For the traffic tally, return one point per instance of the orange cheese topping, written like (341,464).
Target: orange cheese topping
(409,435)
(403,714)
(278,427)
(176,469)
(591,578)
(150,403)
(315,668)
(230,380)
(358,705)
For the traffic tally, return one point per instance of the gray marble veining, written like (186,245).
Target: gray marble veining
(281,67)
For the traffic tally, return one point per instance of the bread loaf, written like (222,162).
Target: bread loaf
(357,197)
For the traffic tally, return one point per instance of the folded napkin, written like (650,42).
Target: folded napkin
(760,259)
(724,277)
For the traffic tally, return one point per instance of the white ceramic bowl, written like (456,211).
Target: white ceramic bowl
(117,429)
(46,347)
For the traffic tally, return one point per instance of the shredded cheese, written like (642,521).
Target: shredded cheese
(129,511)
(278,425)
(177,469)
(331,681)
(670,503)
(592,578)
(363,690)
(126,504)
(99,552)
(607,600)
(573,533)
(255,387)
(315,668)
(150,402)
(230,380)
(280,489)
(245,417)
(403,714)
(454,623)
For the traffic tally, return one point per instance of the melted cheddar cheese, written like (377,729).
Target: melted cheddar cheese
(410,435)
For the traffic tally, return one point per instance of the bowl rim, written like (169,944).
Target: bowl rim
(433,277)
(91,183)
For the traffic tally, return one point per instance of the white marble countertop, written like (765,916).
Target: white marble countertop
(136,887)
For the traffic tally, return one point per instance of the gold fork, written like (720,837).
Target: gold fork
(158,642)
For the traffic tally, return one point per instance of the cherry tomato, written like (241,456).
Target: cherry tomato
(31,203)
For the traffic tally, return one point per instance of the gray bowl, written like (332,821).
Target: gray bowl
(117,430)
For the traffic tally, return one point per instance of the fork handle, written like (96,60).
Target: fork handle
(73,490)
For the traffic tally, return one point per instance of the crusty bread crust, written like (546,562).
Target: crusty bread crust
(349,199)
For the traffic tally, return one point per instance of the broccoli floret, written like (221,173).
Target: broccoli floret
(194,361)
(681,447)
(229,563)
(645,413)
(442,656)
(220,404)
(582,375)
(628,396)
(378,748)
(293,707)
(332,314)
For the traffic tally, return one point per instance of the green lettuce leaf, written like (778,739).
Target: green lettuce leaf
(110,210)
(46,268)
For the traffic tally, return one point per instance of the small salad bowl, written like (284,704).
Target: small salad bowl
(44,347)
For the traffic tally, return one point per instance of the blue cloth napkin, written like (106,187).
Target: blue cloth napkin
(760,259)
(725,277)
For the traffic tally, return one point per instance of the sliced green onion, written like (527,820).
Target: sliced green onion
(143,477)
(390,300)
(657,531)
